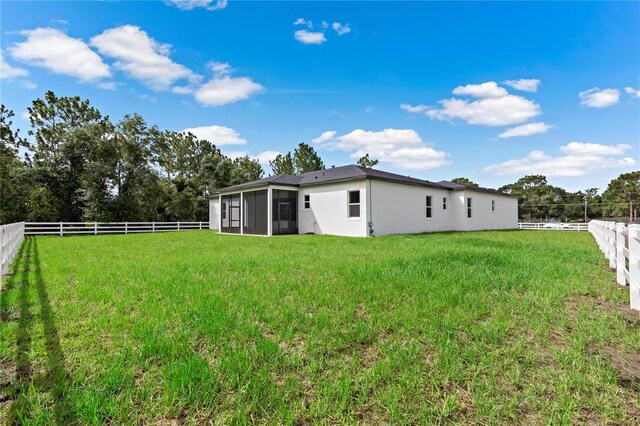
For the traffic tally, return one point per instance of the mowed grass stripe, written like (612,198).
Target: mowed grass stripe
(478,327)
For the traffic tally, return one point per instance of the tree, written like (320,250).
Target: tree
(306,159)
(622,196)
(539,200)
(366,162)
(283,165)
(13,172)
(52,118)
(464,181)
(245,170)
(134,177)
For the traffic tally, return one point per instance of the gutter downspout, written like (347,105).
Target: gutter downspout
(370,197)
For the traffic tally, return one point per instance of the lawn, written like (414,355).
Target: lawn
(195,327)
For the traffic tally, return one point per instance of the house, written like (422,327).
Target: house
(358,202)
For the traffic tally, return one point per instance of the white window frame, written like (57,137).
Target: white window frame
(469,208)
(349,204)
(444,203)
(428,202)
(306,202)
(493,206)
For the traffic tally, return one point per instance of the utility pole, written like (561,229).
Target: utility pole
(585,209)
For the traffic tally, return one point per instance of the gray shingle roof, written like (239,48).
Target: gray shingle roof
(349,173)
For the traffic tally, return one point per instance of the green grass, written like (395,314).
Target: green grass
(479,327)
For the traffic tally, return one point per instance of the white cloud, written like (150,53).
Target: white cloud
(597,98)
(325,24)
(633,92)
(580,159)
(414,108)
(400,148)
(225,90)
(324,137)
(193,4)
(301,21)
(29,85)
(581,148)
(309,37)
(266,156)
(54,50)
(524,84)
(235,154)
(219,68)
(218,135)
(8,72)
(526,130)
(502,111)
(494,106)
(141,57)
(108,85)
(183,90)
(341,29)
(489,89)
(263,157)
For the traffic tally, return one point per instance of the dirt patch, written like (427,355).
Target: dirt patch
(627,364)
(632,317)
(369,355)
(361,311)
(7,374)
(167,422)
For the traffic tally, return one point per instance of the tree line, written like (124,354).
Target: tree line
(82,166)
(78,165)
(540,201)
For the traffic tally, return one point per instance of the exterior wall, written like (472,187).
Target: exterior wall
(214,213)
(328,212)
(401,209)
(505,215)
(392,208)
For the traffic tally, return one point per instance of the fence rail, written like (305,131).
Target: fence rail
(620,244)
(95,228)
(11,236)
(554,226)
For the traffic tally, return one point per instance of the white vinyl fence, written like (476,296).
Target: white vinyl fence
(621,246)
(554,226)
(11,236)
(95,228)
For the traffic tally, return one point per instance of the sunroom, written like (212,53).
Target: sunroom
(268,211)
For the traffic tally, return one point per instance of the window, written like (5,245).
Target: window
(444,203)
(224,211)
(354,204)
(307,202)
(469,208)
(493,205)
(285,211)
(429,206)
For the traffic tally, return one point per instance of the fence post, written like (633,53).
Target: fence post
(153,227)
(178,226)
(61,232)
(1,254)
(611,228)
(200,225)
(634,266)
(95,228)
(620,260)
(126,227)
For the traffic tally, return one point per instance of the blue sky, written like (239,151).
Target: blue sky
(490,91)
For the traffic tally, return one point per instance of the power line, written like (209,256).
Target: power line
(576,204)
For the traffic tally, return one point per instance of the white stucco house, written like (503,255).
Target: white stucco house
(358,202)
